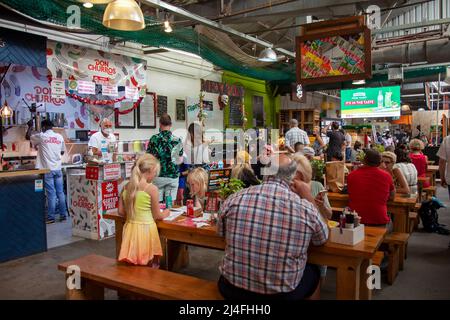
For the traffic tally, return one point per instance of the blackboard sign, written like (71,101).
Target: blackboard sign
(180,108)
(235,111)
(162,105)
(216,176)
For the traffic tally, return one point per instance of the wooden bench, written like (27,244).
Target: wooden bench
(397,243)
(98,273)
(413,221)
(429,191)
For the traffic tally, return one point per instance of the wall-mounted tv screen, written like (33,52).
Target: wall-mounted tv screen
(370,102)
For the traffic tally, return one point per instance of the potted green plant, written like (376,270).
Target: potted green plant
(229,187)
(318,167)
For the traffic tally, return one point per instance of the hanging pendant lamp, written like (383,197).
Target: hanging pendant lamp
(6,111)
(268,55)
(124,15)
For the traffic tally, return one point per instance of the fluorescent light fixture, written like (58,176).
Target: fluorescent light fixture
(358,82)
(88,5)
(193,55)
(167,27)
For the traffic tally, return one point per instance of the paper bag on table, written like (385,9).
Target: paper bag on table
(335,176)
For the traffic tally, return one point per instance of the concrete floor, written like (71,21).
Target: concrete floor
(426,274)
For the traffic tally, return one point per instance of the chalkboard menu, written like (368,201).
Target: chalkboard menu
(162,105)
(180,107)
(235,111)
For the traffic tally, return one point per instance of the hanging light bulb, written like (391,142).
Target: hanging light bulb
(88,5)
(124,15)
(167,27)
(6,111)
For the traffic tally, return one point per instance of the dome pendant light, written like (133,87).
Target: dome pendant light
(124,15)
(268,55)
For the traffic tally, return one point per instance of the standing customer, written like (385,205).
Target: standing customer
(369,189)
(268,260)
(419,160)
(348,146)
(444,163)
(336,142)
(195,148)
(51,147)
(318,144)
(294,135)
(139,204)
(168,150)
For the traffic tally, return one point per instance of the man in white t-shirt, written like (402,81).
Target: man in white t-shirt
(444,163)
(51,147)
(99,142)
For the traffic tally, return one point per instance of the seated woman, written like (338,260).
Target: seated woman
(304,174)
(245,173)
(408,170)
(419,160)
(388,159)
(357,151)
(197,181)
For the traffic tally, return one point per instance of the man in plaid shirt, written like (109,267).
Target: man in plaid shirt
(268,229)
(294,135)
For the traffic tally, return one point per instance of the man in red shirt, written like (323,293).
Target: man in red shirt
(369,189)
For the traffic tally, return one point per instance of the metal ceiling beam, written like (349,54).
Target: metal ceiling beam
(269,31)
(412,26)
(218,26)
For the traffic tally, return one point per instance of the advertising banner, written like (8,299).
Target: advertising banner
(371,102)
(69,61)
(110,196)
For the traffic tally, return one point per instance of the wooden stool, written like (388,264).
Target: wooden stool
(412,221)
(430,192)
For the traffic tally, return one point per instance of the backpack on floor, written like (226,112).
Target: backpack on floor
(429,216)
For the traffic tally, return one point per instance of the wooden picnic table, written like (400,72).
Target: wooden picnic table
(432,170)
(351,262)
(399,208)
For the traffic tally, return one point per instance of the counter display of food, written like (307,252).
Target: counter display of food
(93,191)
(22,214)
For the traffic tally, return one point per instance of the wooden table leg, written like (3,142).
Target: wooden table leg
(89,291)
(364,292)
(176,255)
(400,217)
(119,231)
(348,283)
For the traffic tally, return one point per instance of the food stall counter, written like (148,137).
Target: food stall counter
(22,213)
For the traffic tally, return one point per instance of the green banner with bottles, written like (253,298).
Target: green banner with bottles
(370,102)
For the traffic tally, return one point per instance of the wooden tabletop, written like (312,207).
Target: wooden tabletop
(398,200)
(373,237)
(432,168)
(18,173)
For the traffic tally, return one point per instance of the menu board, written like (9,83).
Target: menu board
(216,176)
(125,120)
(146,113)
(180,106)
(334,56)
(235,111)
(162,105)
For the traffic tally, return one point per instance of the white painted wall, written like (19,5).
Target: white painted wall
(176,76)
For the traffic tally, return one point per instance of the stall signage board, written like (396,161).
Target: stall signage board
(86,87)
(111,91)
(371,102)
(110,196)
(131,93)
(92,173)
(216,176)
(111,171)
(58,89)
(128,168)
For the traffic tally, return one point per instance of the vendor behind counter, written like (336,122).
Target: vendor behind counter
(100,141)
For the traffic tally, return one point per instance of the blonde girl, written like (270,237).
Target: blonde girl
(139,204)
(198,184)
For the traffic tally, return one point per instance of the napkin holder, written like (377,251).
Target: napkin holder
(348,236)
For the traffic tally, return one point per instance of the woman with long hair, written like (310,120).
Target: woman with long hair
(139,203)
(195,148)
(197,181)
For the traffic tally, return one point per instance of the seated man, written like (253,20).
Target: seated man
(369,189)
(298,147)
(268,229)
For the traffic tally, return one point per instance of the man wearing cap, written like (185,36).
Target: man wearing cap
(308,152)
(51,147)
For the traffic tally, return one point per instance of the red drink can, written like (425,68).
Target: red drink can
(190,208)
